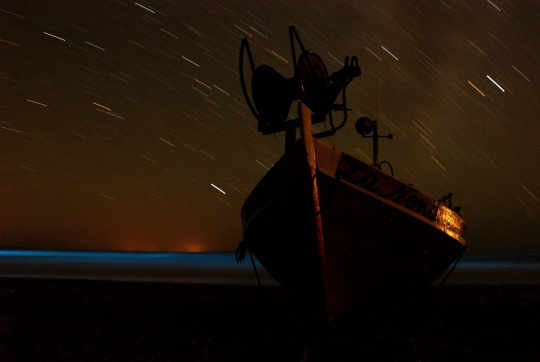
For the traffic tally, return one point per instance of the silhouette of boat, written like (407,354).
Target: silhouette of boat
(322,220)
(334,228)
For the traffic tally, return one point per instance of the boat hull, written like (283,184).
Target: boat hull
(379,235)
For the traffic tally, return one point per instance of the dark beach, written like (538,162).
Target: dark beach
(67,319)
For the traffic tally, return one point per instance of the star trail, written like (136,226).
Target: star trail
(123,125)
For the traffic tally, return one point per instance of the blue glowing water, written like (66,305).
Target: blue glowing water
(222,268)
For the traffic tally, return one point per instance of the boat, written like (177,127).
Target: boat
(331,227)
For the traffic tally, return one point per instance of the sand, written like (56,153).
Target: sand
(71,320)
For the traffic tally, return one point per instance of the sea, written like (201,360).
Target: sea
(223,269)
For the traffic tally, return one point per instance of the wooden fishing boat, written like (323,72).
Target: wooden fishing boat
(331,227)
(321,220)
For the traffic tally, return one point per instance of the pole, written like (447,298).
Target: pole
(304,115)
(375,144)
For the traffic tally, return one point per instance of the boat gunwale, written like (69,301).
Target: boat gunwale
(322,169)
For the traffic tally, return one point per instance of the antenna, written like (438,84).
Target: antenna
(365,125)
(273,94)
(378,64)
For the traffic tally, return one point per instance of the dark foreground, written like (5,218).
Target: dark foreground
(70,320)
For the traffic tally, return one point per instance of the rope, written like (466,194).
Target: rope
(255,268)
(452,269)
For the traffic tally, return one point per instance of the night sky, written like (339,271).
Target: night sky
(124,127)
